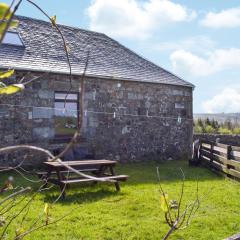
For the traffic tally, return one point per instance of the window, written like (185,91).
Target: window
(13,38)
(66,113)
(179,105)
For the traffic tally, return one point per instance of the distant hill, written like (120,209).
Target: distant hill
(220,117)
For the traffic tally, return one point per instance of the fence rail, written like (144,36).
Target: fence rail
(224,158)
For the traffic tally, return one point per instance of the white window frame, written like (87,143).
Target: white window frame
(9,40)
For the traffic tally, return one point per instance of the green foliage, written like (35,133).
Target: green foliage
(5,16)
(198,129)
(213,126)
(207,122)
(223,130)
(209,129)
(6,74)
(227,124)
(236,130)
(11,89)
(164,203)
(4,8)
(54,20)
(200,122)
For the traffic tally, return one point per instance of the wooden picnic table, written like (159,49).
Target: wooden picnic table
(58,174)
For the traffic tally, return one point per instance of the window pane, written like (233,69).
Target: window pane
(13,39)
(65,118)
(62,96)
(179,105)
(69,110)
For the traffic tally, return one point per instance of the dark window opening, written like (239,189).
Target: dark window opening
(66,113)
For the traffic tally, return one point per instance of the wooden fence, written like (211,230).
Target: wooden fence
(235,237)
(224,158)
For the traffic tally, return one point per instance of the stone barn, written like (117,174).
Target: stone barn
(133,109)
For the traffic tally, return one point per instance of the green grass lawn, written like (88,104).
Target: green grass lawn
(134,213)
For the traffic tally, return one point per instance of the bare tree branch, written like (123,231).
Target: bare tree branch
(182,190)
(183,218)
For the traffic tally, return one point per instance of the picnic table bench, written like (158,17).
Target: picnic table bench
(58,174)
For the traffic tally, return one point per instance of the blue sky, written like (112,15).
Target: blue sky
(197,40)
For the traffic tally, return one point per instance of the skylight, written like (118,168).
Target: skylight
(13,38)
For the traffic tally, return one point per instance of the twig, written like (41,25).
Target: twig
(77,133)
(26,178)
(182,190)
(17,214)
(13,204)
(180,218)
(63,39)
(172,229)
(44,225)
(34,79)
(163,193)
(27,189)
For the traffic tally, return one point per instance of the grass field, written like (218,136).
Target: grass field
(134,213)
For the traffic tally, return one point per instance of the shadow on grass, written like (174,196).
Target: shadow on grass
(81,193)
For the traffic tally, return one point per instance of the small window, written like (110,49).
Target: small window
(179,105)
(66,113)
(13,38)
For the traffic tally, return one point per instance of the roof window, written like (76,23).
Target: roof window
(13,38)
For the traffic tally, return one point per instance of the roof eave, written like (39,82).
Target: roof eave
(98,76)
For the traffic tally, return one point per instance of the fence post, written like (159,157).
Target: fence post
(200,150)
(211,152)
(229,150)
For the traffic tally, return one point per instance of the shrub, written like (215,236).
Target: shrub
(198,129)
(236,130)
(224,131)
(209,129)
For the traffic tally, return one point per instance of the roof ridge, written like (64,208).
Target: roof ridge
(59,24)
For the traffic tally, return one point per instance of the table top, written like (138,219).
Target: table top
(82,163)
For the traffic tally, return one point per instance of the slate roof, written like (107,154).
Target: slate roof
(44,51)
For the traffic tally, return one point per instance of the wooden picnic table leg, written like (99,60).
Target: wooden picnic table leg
(99,173)
(61,185)
(114,174)
(49,172)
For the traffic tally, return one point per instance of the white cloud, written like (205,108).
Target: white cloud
(214,61)
(132,18)
(197,44)
(227,101)
(229,18)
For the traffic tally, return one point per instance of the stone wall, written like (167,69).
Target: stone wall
(151,121)
(223,138)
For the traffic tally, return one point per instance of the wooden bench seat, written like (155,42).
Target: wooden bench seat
(44,173)
(84,163)
(117,178)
